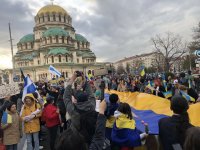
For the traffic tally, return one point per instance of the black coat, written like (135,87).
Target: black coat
(170,131)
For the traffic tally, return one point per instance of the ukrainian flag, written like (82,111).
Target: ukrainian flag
(6,118)
(167,94)
(151,109)
(186,96)
(165,84)
(124,132)
(142,71)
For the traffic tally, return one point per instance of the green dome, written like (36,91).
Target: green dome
(55,32)
(27,38)
(80,38)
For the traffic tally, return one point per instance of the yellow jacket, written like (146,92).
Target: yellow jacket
(33,125)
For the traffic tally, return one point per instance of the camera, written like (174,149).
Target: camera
(79,73)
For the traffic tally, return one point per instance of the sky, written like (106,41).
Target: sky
(115,28)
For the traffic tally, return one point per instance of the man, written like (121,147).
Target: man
(78,101)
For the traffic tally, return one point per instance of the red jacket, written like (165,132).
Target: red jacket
(50,116)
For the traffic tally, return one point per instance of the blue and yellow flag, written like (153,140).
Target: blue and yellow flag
(167,94)
(6,118)
(142,71)
(186,96)
(151,109)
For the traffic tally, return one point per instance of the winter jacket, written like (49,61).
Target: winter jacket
(74,110)
(99,136)
(33,125)
(50,116)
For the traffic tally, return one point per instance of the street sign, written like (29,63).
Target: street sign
(197,53)
(16,78)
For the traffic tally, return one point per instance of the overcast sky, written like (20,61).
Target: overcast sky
(115,28)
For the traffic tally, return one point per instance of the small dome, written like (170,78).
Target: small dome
(80,38)
(55,32)
(51,9)
(27,38)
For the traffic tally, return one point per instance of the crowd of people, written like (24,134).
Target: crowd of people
(68,110)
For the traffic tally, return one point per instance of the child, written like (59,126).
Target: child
(124,133)
(109,113)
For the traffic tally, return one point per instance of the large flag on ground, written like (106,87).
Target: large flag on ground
(150,109)
(29,87)
(54,71)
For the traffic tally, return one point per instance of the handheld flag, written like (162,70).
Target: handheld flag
(54,71)
(190,83)
(167,94)
(186,96)
(142,71)
(6,118)
(29,87)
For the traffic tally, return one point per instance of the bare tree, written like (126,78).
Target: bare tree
(170,47)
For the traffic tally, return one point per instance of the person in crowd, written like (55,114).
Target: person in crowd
(192,141)
(12,131)
(79,101)
(112,106)
(50,116)
(71,139)
(121,87)
(30,113)
(114,85)
(125,135)
(6,102)
(177,124)
(52,91)
(159,88)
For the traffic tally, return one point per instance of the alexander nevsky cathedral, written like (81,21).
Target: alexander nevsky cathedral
(54,42)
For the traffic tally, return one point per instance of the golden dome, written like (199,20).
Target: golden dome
(51,9)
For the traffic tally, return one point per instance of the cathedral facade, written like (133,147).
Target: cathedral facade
(54,42)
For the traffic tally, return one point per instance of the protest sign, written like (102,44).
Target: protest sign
(9,90)
(100,72)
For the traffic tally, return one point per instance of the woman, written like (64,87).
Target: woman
(172,129)
(31,111)
(12,130)
(124,132)
(50,116)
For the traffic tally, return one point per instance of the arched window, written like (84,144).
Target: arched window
(66,74)
(48,16)
(56,39)
(26,46)
(52,59)
(60,18)
(78,44)
(47,60)
(64,18)
(54,17)
(82,45)
(59,58)
(50,39)
(66,58)
(63,39)
(43,18)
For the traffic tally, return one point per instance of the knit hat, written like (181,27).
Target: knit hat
(81,96)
